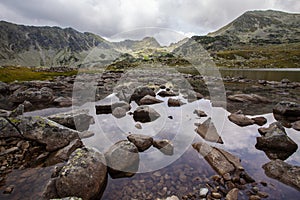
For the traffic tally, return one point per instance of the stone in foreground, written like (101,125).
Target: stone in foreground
(208,131)
(142,142)
(145,114)
(148,100)
(122,159)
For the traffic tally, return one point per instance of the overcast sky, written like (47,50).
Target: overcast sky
(110,17)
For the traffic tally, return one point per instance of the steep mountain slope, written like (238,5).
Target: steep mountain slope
(255,39)
(45,46)
(136,45)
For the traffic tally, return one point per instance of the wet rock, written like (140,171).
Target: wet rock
(165,146)
(200,113)
(119,112)
(122,159)
(275,142)
(259,120)
(145,114)
(62,101)
(34,95)
(296,125)
(84,175)
(175,102)
(142,142)
(203,192)
(166,93)
(63,154)
(208,131)
(248,98)
(148,100)
(283,172)
(140,92)
(285,110)
(240,119)
(221,161)
(76,119)
(232,194)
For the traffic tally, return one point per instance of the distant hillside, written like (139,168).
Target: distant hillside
(255,39)
(45,46)
(135,45)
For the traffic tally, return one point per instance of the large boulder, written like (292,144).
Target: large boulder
(142,142)
(283,172)
(39,129)
(76,119)
(122,159)
(289,111)
(208,131)
(84,175)
(140,92)
(33,95)
(145,114)
(275,142)
(240,119)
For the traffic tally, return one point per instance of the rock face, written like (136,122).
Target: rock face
(148,100)
(84,175)
(40,129)
(208,131)
(145,114)
(248,98)
(240,119)
(289,111)
(77,119)
(122,159)
(142,142)
(140,92)
(285,173)
(165,146)
(275,142)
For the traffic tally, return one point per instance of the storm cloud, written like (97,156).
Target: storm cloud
(108,18)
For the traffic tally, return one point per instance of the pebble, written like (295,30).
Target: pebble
(203,192)
(138,126)
(216,195)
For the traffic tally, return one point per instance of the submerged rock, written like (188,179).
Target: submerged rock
(145,114)
(240,119)
(275,142)
(122,159)
(142,142)
(84,175)
(283,172)
(208,131)
(76,119)
(165,146)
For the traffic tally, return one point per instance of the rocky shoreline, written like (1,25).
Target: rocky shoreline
(53,148)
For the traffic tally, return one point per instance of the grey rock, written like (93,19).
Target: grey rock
(165,146)
(119,112)
(289,111)
(148,100)
(122,159)
(84,175)
(248,98)
(208,131)
(34,95)
(240,119)
(140,92)
(233,194)
(175,102)
(142,142)
(203,192)
(62,101)
(296,125)
(275,142)
(76,119)
(145,114)
(283,172)
(166,93)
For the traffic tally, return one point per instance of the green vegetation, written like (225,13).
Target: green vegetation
(10,74)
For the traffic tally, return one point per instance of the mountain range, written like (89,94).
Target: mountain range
(255,39)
